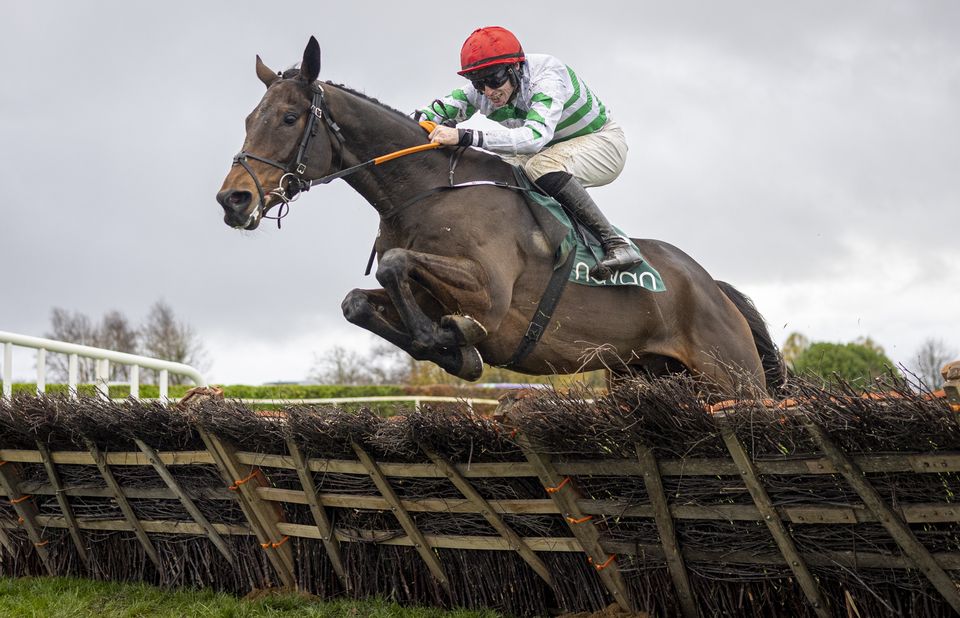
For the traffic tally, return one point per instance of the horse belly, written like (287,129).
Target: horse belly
(590,328)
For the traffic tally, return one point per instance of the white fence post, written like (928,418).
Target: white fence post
(8,370)
(164,385)
(135,381)
(41,371)
(102,379)
(72,371)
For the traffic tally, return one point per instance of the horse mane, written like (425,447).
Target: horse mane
(294,73)
(367,97)
(410,121)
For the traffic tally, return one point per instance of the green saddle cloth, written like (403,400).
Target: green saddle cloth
(642,275)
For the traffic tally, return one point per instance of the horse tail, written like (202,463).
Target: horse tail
(774,369)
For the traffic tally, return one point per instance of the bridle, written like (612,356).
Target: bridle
(293,172)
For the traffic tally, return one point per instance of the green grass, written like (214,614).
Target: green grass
(37,597)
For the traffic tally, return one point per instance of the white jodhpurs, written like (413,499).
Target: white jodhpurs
(594,160)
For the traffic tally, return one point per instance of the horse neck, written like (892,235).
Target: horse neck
(371,130)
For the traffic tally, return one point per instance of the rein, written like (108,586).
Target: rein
(295,170)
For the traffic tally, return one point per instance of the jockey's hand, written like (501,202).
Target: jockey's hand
(445,136)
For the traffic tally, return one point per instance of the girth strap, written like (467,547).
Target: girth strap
(543,314)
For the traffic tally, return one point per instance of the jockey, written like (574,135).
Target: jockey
(557,129)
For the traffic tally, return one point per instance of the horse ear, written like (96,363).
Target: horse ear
(266,75)
(310,67)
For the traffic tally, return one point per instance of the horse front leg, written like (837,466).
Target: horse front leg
(456,290)
(374,311)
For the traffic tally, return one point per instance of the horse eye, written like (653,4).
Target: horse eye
(289,118)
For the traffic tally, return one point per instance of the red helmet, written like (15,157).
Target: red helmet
(487,47)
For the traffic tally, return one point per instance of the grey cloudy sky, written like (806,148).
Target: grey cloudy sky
(807,152)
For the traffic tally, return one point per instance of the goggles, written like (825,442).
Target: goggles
(493,80)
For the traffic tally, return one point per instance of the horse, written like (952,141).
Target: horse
(463,270)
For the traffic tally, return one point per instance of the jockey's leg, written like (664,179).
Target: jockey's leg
(618,253)
(594,160)
(564,169)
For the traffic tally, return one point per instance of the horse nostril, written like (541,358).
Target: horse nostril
(234,200)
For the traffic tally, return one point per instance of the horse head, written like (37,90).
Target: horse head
(286,144)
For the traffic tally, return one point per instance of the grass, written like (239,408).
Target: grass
(37,597)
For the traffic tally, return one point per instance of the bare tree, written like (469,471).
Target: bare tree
(161,334)
(115,333)
(930,359)
(389,364)
(72,327)
(340,366)
(165,337)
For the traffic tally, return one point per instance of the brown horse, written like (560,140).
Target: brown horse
(463,270)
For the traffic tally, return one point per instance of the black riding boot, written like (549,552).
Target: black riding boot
(618,254)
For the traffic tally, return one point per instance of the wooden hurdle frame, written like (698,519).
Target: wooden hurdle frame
(246,480)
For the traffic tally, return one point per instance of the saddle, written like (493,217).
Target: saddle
(566,234)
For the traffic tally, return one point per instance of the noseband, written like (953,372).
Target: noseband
(294,170)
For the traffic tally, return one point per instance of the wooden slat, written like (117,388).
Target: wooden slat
(847,559)
(399,470)
(668,537)
(922,462)
(123,525)
(406,521)
(327,536)
(770,516)
(797,514)
(83,458)
(27,511)
(137,493)
(483,507)
(262,518)
(186,501)
(830,559)
(65,507)
(892,522)
(583,530)
(124,505)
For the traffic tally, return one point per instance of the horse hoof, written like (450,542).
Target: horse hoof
(466,330)
(471,366)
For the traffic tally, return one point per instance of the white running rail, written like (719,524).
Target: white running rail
(103,359)
(416,399)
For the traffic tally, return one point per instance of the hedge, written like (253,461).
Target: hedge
(285,391)
(233,391)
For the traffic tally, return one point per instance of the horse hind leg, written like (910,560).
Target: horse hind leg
(374,311)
